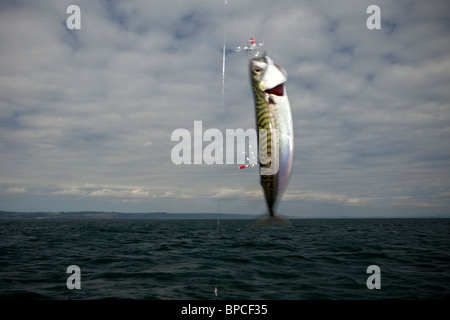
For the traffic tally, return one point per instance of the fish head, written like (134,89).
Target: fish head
(265,74)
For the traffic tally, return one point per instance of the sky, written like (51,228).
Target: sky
(86,115)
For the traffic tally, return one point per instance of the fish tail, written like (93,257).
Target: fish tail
(279,219)
(272,218)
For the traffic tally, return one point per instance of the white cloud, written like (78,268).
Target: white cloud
(136,193)
(16,190)
(70,192)
(94,109)
(321,197)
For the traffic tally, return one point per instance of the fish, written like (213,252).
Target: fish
(274,129)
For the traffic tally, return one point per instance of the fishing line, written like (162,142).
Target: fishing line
(222,104)
(223,62)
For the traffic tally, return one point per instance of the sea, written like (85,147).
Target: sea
(304,259)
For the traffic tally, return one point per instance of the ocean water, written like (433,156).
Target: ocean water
(189,259)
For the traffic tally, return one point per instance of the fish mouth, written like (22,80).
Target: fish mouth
(277,90)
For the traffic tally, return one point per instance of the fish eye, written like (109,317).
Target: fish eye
(257,71)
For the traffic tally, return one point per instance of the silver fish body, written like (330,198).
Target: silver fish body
(276,142)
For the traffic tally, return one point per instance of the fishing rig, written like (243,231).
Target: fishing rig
(254,49)
(251,159)
(251,49)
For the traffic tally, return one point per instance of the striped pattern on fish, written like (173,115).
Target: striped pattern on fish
(276,142)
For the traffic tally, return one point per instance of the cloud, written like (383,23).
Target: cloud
(235,193)
(319,196)
(16,190)
(136,193)
(70,192)
(88,114)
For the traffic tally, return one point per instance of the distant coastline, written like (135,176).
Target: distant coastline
(83,215)
(118,215)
